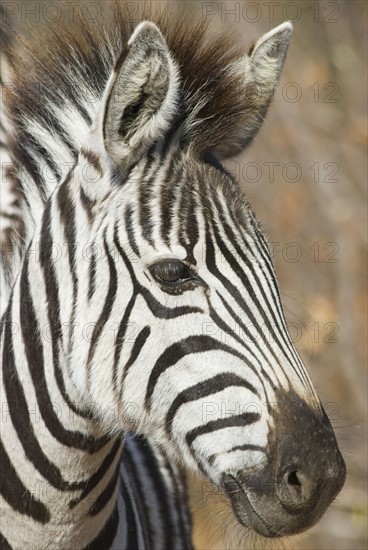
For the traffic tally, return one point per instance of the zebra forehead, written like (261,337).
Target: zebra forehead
(190,187)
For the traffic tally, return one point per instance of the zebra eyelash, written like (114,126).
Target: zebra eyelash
(175,276)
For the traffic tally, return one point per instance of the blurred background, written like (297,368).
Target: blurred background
(306,177)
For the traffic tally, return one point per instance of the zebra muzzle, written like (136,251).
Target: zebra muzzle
(282,509)
(292,490)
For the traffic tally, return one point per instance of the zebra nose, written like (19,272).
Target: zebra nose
(295,488)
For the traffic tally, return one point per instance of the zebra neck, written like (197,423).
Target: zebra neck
(62,477)
(63,473)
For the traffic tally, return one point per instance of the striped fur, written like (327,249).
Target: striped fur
(11,222)
(115,141)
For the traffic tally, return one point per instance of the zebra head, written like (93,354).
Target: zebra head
(189,343)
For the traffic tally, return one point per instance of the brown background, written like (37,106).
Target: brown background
(313,208)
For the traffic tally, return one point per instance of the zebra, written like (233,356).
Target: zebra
(144,332)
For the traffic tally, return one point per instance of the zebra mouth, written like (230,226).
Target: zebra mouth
(244,510)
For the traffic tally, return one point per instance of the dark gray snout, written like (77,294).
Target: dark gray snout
(303,475)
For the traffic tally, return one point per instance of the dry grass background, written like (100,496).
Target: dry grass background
(318,224)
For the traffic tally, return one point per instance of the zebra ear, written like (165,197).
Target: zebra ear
(267,59)
(261,68)
(141,99)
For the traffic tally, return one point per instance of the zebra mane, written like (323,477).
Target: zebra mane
(69,62)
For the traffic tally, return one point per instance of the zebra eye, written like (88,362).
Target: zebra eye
(171,272)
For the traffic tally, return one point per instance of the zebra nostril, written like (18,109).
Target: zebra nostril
(295,488)
(292,479)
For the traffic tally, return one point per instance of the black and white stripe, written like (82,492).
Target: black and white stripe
(101,339)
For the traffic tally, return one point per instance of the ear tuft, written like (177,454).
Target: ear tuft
(142,97)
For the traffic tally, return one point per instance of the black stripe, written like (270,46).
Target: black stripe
(95,479)
(4,545)
(120,338)
(9,216)
(93,160)
(16,494)
(106,536)
(214,425)
(80,107)
(136,488)
(247,332)
(192,230)
(92,276)
(136,349)
(130,518)
(87,204)
(44,154)
(184,200)
(57,129)
(169,138)
(247,447)
(151,463)
(240,273)
(169,189)
(175,352)
(183,522)
(266,255)
(67,216)
(145,189)
(22,151)
(105,496)
(105,313)
(163,312)
(130,231)
(204,389)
